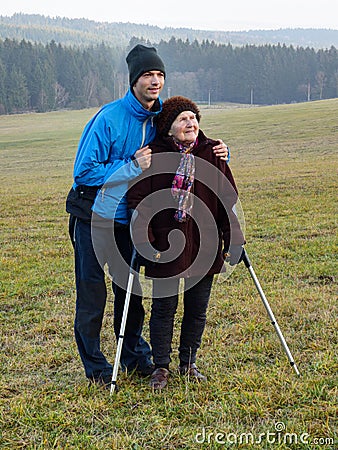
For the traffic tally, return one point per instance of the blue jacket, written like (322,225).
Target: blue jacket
(107,144)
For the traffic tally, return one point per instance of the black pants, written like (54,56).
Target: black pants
(163,311)
(92,251)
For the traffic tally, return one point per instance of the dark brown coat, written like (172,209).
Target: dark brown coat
(207,232)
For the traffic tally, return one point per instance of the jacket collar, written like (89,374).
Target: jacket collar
(137,109)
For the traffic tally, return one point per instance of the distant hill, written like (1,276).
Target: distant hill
(84,32)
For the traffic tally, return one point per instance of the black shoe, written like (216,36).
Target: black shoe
(191,371)
(145,371)
(102,381)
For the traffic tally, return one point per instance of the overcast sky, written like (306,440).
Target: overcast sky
(207,14)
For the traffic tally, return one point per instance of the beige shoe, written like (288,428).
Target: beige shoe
(159,378)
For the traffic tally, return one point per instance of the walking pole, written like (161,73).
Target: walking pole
(134,267)
(247,263)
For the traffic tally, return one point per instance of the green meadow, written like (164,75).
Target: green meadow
(285,161)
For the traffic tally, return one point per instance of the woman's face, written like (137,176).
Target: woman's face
(185,127)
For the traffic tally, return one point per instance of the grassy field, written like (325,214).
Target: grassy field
(285,160)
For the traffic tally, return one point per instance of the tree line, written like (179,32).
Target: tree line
(85,32)
(267,74)
(37,77)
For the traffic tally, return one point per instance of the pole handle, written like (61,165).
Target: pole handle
(245,259)
(134,263)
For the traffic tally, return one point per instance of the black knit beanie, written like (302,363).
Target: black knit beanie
(142,59)
(171,108)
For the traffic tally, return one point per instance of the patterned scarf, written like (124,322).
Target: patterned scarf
(183,181)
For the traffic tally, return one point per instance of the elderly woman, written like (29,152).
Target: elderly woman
(185,218)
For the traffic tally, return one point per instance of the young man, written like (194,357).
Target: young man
(113,150)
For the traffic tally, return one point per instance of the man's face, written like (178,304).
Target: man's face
(148,87)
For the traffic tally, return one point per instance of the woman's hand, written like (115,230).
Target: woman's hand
(221,150)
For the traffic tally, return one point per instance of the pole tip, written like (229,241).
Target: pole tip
(292,363)
(113,388)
